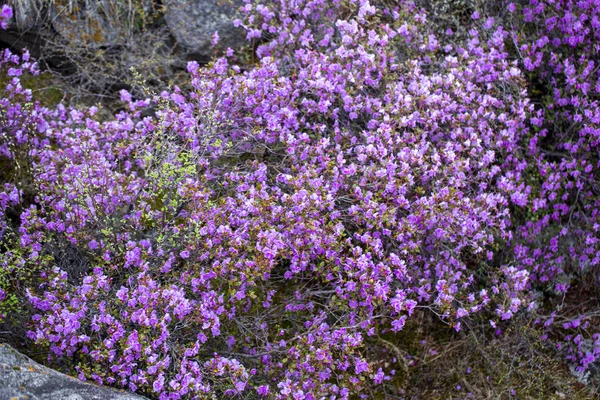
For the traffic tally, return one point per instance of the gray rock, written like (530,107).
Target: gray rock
(22,378)
(28,14)
(594,383)
(193,23)
(89,23)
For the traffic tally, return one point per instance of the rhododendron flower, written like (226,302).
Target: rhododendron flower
(6,14)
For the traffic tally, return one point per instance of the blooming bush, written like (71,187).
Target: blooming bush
(559,241)
(257,234)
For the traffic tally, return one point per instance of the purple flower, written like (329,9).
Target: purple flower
(360,366)
(6,14)
(215,38)
(263,390)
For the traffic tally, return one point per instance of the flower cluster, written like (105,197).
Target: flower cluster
(253,235)
(559,240)
(5,15)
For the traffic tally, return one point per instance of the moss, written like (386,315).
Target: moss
(45,87)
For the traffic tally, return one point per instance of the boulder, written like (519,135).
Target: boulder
(98,23)
(28,14)
(193,23)
(22,378)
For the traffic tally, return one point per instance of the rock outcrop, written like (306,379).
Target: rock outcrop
(23,379)
(193,23)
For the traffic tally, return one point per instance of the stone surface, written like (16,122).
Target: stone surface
(89,23)
(22,378)
(193,23)
(28,14)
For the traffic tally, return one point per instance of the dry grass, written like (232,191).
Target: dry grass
(434,362)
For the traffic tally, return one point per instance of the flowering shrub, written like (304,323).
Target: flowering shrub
(256,234)
(559,241)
